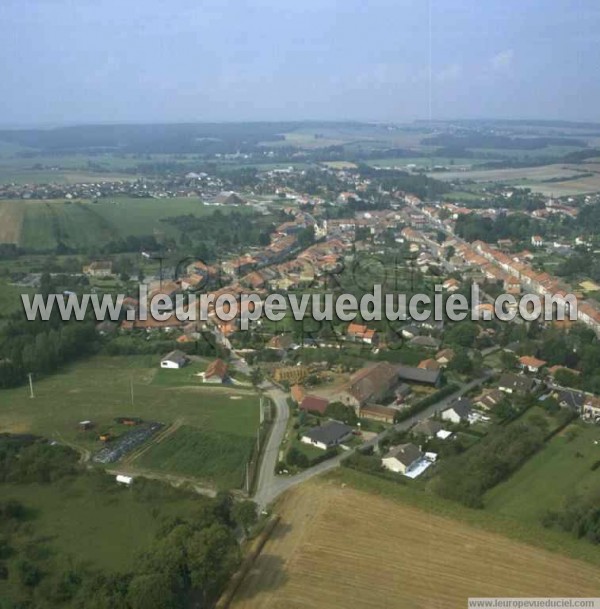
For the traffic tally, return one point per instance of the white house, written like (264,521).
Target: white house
(175,359)
(399,459)
(327,436)
(459,411)
(537,241)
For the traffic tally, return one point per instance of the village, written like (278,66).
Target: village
(429,386)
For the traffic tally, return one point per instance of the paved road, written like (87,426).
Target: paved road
(266,487)
(270,485)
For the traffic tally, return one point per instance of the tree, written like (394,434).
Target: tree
(296,458)
(461,362)
(508,360)
(306,237)
(341,412)
(566,378)
(244,513)
(462,334)
(153,591)
(213,556)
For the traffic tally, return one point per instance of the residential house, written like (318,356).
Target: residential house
(327,436)
(591,408)
(402,458)
(568,398)
(537,241)
(216,372)
(98,268)
(451,285)
(426,342)
(282,342)
(174,359)
(412,374)
(428,428)
(429,364)
(531,364)
(458,412)
(360,333)
(228,198)
(298,393)
(489,399)
(313,403)
(410,331)
(369,384)
(515,383)
(444,357)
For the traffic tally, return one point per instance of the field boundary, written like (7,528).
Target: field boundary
(238,578)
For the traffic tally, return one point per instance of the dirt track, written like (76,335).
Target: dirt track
(336,548)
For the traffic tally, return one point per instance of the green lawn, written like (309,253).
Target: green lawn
(560,469)
(99,389)
(188,375)
(217,457)
(10,298)
(95,523)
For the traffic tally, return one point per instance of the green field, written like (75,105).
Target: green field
(42,225)
(99,389)
(217,457)
(561,469)
(94,520)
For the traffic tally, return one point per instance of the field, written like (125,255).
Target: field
(99,389)
(43,224)
(71,514)
(218,458)
(557,179)
(337,547)
(557,472)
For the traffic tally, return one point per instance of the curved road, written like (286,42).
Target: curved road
(270,485)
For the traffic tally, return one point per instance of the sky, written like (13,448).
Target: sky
(82,61)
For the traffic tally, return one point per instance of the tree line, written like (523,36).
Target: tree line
(188,563)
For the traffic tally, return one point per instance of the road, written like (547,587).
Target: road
(270,485)
(266,486)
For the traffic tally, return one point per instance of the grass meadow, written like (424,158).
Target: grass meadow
(560,470)
(217,457)
(41,225)
(99,389)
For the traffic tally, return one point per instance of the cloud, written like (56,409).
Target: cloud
(502,61)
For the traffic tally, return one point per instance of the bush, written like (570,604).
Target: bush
(426,402)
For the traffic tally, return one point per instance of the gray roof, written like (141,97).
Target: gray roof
(179,357)
(517,382)
(425,341)
(572,399)
(462,407)
(407,454)
(418,375)
(429,427)
(329,434)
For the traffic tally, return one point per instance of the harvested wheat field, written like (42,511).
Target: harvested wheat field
(338,547)
(11,221)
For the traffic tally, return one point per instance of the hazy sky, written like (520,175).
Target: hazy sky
(74,61)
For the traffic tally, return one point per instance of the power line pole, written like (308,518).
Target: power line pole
(31,387)
(131,390)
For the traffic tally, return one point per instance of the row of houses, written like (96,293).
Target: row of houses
(516,273)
